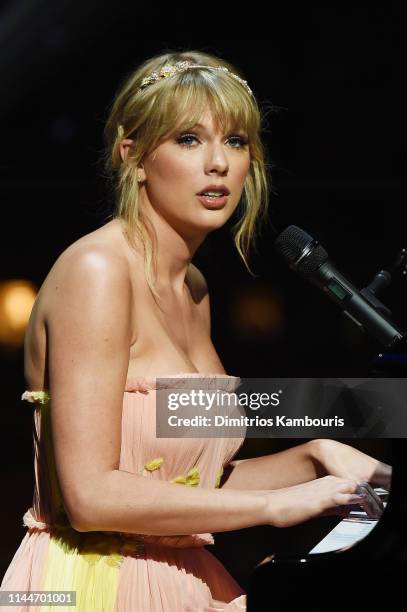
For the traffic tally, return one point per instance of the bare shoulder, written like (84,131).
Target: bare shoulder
(89,263)
(92,267)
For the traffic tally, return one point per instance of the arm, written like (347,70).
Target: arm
(89,338)
(305,462)
(345,461)
(280,470)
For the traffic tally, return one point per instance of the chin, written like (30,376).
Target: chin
(196,228)
(215,218)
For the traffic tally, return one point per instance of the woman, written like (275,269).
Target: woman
(124,306)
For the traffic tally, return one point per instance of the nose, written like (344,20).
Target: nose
(217,160)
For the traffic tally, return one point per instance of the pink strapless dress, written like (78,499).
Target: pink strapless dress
(122,572)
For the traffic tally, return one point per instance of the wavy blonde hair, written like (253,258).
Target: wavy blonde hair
(151,115)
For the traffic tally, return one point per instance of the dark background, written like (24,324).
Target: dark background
(335,78)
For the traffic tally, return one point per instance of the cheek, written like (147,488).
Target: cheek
(173,168)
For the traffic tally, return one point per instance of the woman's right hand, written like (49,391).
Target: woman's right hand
(328,495)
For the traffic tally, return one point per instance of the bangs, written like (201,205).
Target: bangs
(180,106)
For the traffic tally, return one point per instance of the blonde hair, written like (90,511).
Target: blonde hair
(150,115)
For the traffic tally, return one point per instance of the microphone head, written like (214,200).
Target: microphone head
(302,253)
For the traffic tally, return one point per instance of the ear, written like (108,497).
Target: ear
(124,147)
(124,150)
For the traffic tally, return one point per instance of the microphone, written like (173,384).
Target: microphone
(308,258)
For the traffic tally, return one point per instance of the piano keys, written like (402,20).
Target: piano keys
(350,530)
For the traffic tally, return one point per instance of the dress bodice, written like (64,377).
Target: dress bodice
(143,384)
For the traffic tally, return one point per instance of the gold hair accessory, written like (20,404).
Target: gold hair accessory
(168,70)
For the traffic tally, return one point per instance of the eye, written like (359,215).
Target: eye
(182,140)
(242,142)
(239,141)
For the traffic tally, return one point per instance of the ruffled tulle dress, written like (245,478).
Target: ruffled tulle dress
(123,572)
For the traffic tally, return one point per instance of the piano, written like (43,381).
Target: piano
(367,562)
(359,561)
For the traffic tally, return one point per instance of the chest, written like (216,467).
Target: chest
(173,337)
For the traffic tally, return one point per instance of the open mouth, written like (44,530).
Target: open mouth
(214,191)
(212,194)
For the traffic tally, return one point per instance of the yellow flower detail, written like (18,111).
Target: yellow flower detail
(191,479)
(97,546)
(154,464)
(42,396)
(36,396)
(91,558)
(218,478)
(114,560)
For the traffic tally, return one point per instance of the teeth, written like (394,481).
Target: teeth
(213,194)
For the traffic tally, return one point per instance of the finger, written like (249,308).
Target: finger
(349,487)
(372,508)
(373,494)
(346,499)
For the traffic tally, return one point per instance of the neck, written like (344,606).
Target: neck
(173,256)
(174,249)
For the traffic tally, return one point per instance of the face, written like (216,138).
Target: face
(188,163)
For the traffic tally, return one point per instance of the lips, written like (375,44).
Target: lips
(220,188)
(212,202)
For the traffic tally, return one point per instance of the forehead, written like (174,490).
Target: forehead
(208,121)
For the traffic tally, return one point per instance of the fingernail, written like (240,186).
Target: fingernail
(358,497)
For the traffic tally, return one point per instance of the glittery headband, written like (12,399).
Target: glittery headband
(168,70)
